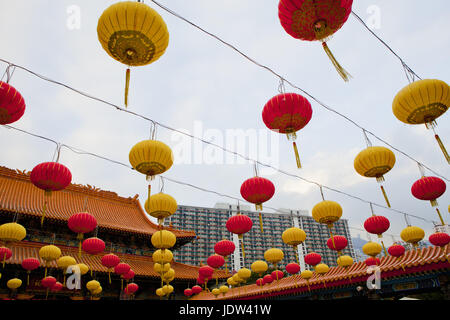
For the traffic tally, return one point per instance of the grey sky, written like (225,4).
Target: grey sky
(198,79)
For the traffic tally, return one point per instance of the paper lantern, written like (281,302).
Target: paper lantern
(160,292)
(188,292)
(375,162)
(440,239)
(65,262)
(83,268)
(196,289)
(223,289)
(122,268)
(397,250)
(322,269)
(162,256)
(129,275)
(288,113)
(215,292)
(292,268)
(48,282)
(372,261)
(344,261)
(316,20)
(337,243)
(12,232)
(273,256)
(12,104)
(306,274)
(92,285)
(244,274)
(293,237)
(429,189)
(205,272)
(225,248)
(239,224)
(58,286)
(49,253)
(14,284)
(277,274)
(161,268)
(313,259)
(161,206)
(327,212)
(151,157)
(131,288)
(81,223)
(50,176)
(134,34)
(412,235)
(215,261)
(422,102)
(163,239)
(110,261)
(377,225)
(5,254)
(371,249)
(30,264)
(259,267)
(267,279)
(93,245)
(260,282)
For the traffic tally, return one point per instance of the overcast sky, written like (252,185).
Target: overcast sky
(200,83)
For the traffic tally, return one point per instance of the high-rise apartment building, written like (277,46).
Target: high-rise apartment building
(210,226)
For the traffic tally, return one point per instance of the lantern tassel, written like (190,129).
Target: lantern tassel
(226,265)
(261,223)
(440,217)
(384,248)
(149,190)
(342,72)
(297,156)
(127,86)
(385,196)
(296,255)
(4,261)
(242,246)
(28,278)
(441,145)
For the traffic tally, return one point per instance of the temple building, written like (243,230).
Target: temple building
(122,225)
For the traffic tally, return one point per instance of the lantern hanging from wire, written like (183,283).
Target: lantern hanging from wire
(259,267)
(372,249)
(313,259)
(121,269)
(48,283)
(372,261)
(14,284)
(215,261)
(321,269)
(30,264)
(49,253)
(239,224)
(12,104)
(267,279)
(134,34)
(429,189)
(375,162)
(440,239)
(316,20)
(413,235)
(288,113)
(225,248)
(188,292)
(196,289)
(12,232)
(293,269)
(5,254)
(422,102)
(327,212)
(81,223)
(151,157)
(274,256)
(161,206)
(306,274)
(224,289)
(294,237)
(337,243)
(377,225)
(397,251)
(345,262)
(257,190)
(110,260)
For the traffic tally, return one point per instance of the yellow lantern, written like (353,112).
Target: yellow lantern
(306,274)
(160,292)
(244,274)
(161,206)
(151,157)
(92,285)
(372,249)
(231,281)
(215,292)
(162,256)
(163,239)
(14,284)
(237,279)
(322,269)
(97,291)
(274,256)
(169,274)
(223,289)
(422,102)
(134,34)
(327,212)
(49,253)
(259,267)
(12,232)
(167,289)
(83,268)
(293,237)
(412,235)
(159,268)
(65,262)
(345,262)
(375,162)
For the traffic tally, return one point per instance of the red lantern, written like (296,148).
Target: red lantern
(30,264)
(313,259)
(225,248)
(93,245)
(292,268)
(288,113)
(396,250)
(267,279)
(260,282)
(372,261)
(196,289)
(239,224)
(377,225)
(439,239)
(12,104)
(215,261)
(121,268)
(188,292)
(82,223)
(201,280)
(57,287)
(277,274)
(205,272)
(5,254)
(110,261)
(337,243)
(48,282)
(428,188)
(50,176)
(315,21)
(131,288)
(129,275)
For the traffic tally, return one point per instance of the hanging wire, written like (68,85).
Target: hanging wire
(368,142)
(8,72)
(321,192)
(371,208)
(281,86)
(421,169)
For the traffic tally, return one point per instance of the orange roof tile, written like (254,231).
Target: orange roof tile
(412,260)
(141,265)
(113,212)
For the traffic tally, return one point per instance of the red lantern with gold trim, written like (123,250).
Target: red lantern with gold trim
(131,288)
(5,254)
(30,264)
(12,104)
(257,190)
(81,223)
(288,113)
(377,225)
(440,239)
(267,279)
(188,292)
(239,224)
(50,176)
(225,248)
(429,189)
(93,245)
(196,289)
(110,260)
(313,259)
(292,268)
(316,20)
(337,243)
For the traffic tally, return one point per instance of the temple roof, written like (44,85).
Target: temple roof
(420,260)
(141,265)
(19,195)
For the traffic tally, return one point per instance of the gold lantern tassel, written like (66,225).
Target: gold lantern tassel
(4,261)
(297,156)
(127,86)
(331,235)
(149,190)
(385,196)
(261,223)
(296,255)
(441,145)
(307,283)
(440,217)
(79,237)
(342,72)
(226,265)
(28,277)
(382,243)
(242,246)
